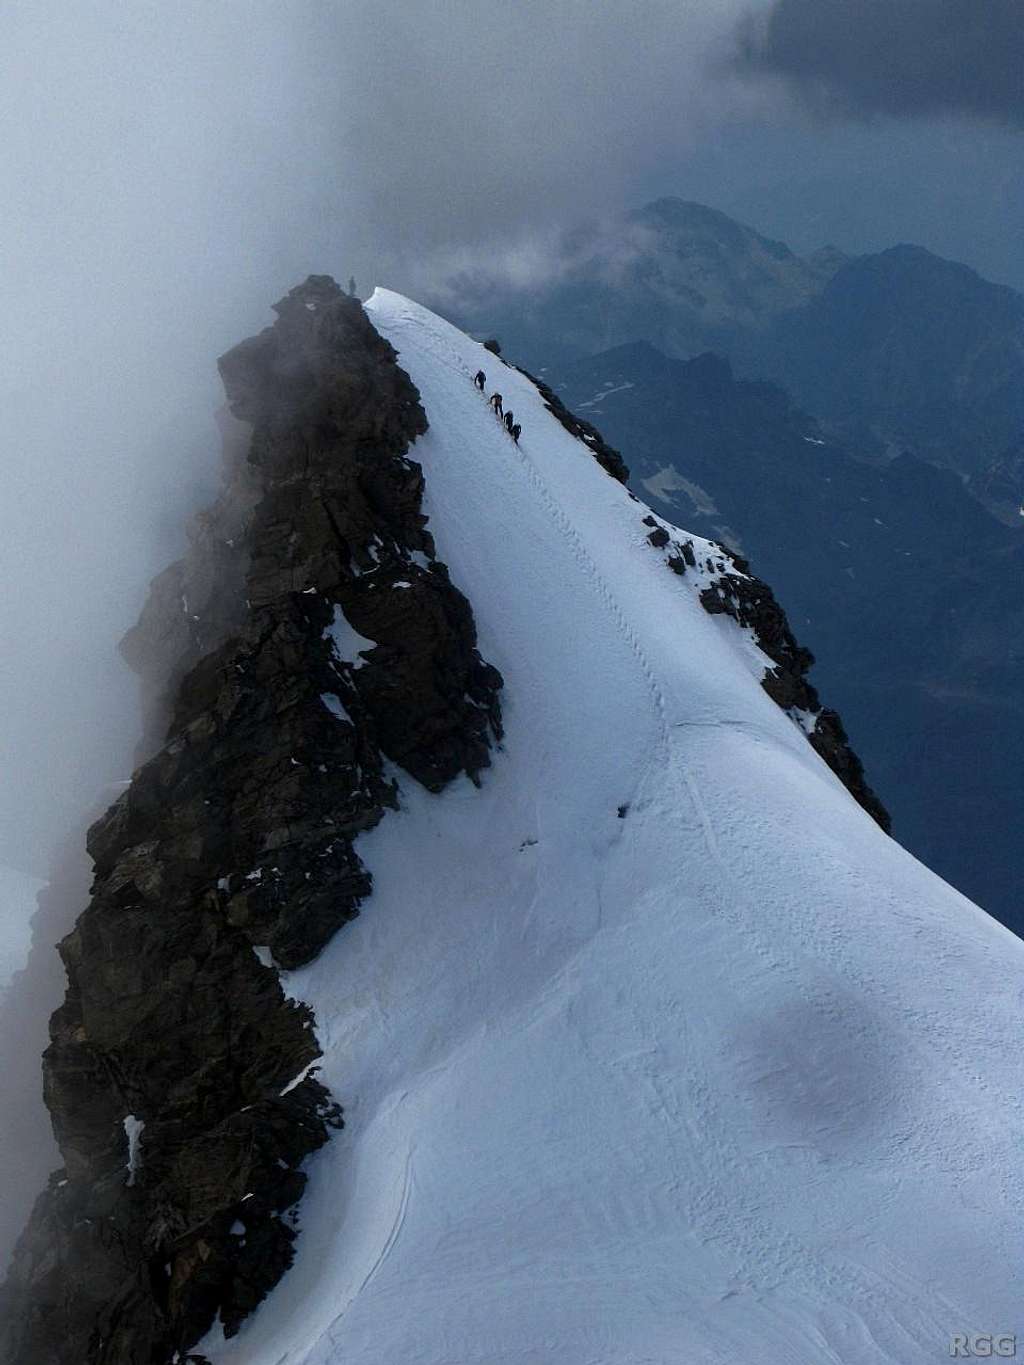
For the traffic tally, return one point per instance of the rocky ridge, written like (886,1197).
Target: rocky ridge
(726,586)
(310,637)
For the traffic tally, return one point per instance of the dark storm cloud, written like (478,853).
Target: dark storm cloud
(899,57)
(462,120)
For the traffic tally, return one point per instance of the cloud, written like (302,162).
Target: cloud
(461,121)
(167,173)
(898,57)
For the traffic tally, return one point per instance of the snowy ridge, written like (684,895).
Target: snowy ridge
(722,1078)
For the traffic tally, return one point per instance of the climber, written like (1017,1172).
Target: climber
(480,379)
(509,421)
(515,432)
(495,402)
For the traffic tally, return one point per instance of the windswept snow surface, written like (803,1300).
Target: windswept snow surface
(730,1079)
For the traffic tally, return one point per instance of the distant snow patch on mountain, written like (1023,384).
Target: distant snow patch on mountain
(668,480)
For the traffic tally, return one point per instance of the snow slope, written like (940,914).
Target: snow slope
(732,1078)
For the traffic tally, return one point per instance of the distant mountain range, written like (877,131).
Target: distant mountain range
(904,349)
(682,276)
(896,351)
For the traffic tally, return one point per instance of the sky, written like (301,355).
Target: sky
(168,171)
(911,57)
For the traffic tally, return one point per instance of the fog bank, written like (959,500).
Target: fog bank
(155,203)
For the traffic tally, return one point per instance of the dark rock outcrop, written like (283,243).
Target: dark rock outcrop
(178,1074)
(726,587)
(199,601)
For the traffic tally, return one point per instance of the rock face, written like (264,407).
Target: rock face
(919,352)
(309,636)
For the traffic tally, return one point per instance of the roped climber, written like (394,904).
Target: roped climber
(495,402)
(480,379)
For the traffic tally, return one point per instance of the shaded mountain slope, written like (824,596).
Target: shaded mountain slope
(1000,485)
(911,350)
(896,350)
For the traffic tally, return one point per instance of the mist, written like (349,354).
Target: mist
(137,243)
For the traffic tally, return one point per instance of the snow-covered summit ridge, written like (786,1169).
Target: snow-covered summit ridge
(654,1048)
(723,584)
